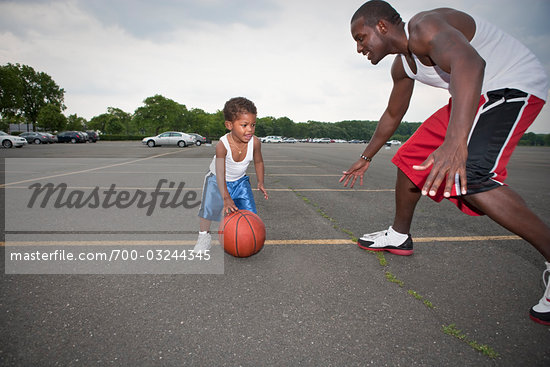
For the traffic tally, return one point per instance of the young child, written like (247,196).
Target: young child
(226,185)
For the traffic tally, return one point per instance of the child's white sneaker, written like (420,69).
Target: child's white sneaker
(204,242)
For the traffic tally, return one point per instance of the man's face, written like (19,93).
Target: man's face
(369,41)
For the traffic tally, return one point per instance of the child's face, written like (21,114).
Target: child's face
(243,127)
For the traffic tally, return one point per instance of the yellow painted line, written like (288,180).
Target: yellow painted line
(303,174)
(200,189)
(287,166)
(97,243)
(465,239)
(88,170)
(334,241)
(344,189)
(163,188)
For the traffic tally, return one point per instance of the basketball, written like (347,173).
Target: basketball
(242,234)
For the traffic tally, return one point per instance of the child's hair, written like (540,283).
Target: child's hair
(236,106)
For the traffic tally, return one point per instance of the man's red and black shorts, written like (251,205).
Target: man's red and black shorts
(502,118)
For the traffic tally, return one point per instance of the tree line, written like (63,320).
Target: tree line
(33,98)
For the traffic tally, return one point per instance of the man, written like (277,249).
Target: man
(497,89)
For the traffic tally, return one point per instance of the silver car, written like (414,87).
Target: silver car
(36,138)
(169,138)
(8,141)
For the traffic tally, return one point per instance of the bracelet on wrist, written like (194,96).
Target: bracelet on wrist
(368,159)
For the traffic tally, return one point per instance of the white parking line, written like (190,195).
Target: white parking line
(87,170)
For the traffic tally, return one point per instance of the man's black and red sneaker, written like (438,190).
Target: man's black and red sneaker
(385,241)
(541,312)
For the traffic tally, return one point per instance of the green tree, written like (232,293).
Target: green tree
(100,122)
(160,114)
(265,126)
(284,126)
(122,122)
(115,121)
(50,118)
(197,121)
(25,91)
(75,122)
(11,92)
(216,125)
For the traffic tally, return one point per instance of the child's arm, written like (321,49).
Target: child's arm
(228,204)
(259,166)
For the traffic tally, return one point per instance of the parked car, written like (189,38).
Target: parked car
(272,139)
(9,141)
(289,140)
(169,138)
(200,139)
(71,137)
(322,140)
(85,135)
(36,137)
(92,136)
(52,138)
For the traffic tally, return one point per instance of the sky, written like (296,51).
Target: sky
(293,58)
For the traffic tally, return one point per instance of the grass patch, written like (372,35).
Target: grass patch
(420,298)
(322,213)
(483,348)
(393,279)
(381,258)
(450,329)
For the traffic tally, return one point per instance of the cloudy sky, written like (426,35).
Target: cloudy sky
(293,58)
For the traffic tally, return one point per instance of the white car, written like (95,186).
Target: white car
(272,139)
(322,140)
(169,138)
(9,141)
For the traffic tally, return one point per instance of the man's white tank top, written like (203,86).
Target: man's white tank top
(234,170)
(509,64)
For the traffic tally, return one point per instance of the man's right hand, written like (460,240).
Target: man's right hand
(357,170)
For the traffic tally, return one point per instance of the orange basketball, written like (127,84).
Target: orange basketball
(242,234)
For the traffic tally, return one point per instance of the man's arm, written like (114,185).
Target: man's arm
(448,48)
(398,104)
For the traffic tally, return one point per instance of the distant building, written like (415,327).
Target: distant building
(21,128)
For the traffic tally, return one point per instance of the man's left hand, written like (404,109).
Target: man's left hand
(447,161)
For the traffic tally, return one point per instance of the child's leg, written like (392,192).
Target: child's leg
(211,207)
(204,241)
(204,225)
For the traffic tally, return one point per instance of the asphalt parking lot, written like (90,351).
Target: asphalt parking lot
(311,297)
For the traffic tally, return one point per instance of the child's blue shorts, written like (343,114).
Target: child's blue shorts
(212,202)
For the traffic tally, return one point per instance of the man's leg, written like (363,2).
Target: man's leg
(507,208)
(396,239)
(406,198)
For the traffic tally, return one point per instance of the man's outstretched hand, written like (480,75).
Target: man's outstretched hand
(357,170)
